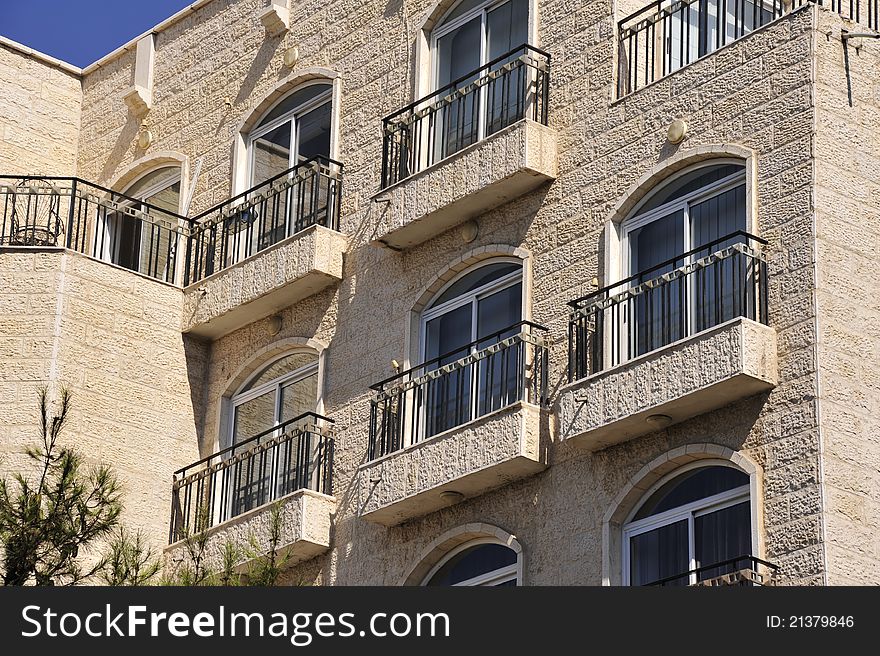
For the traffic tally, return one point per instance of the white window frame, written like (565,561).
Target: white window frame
(687,512)
(493,578)
(640,219)
(297,375)
(104,226)
(472,297)
(444,28)
(289,117)
(275,384)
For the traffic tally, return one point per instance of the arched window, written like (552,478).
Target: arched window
(264,409)
(477,563)
(693,527)
(279,392)
(130,242)
(474,311)
(293,131)
(697,213)
(472,34)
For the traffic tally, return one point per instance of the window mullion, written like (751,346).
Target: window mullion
(692,549)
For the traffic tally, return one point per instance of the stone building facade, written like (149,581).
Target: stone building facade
(613,442)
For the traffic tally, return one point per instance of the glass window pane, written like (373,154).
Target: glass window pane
(281,367)
(253,417)
(462,8)
(499,310)
(153,179)
(271,154)
(660,554)
(657,316)
(475,561)
(690,182)
(507,27)
(458,52)
(448,332)
(314,133)
(295,100)
(692,486)
(500,374)
(477,278)
(721,536)
(299,397)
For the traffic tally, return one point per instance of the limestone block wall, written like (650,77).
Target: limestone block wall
(848,254)
(39,113)
(113,338)
(216,64)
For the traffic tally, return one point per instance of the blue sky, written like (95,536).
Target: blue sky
(81,31)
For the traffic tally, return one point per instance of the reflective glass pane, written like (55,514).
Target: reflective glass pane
(477,278)
(295,100)
(692,486)
(657,313)
(500,374)
(721,291)
(690,182)
(458,55)
(722,536)
(475,561)
(253,417)
(314,133)
(299,397)
(447,399)
(461,9)
(660,554)
(271,154)
(281,367)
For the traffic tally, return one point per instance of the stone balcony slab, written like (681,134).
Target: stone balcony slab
(462,462)
(709,370)
(483,176)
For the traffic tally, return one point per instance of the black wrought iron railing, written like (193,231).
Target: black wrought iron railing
(308,194)
(457,387)
(694,291)
(669,34)
(743,570)
(295,455)
(512,87)
(93,220)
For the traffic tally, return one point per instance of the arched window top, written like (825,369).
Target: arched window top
(281,367)
(477,564)
(296,129)
(298,100)
(158,179)
(692,486)
(475,279)
(462,8)
(693,180)
(694,527)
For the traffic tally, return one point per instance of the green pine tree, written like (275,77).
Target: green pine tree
(53,521)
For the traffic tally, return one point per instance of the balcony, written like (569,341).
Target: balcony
(230,494)
(670,34)
(92,220)
(456,427)
(466,148)
(264,249)
(742,571)
(667,344)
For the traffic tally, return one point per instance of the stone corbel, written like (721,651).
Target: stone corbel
(139,97)
(276,18)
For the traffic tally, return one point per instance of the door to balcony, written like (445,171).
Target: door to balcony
(476,33)
(470,314)
(682,223)
(285,390)
(130,242)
